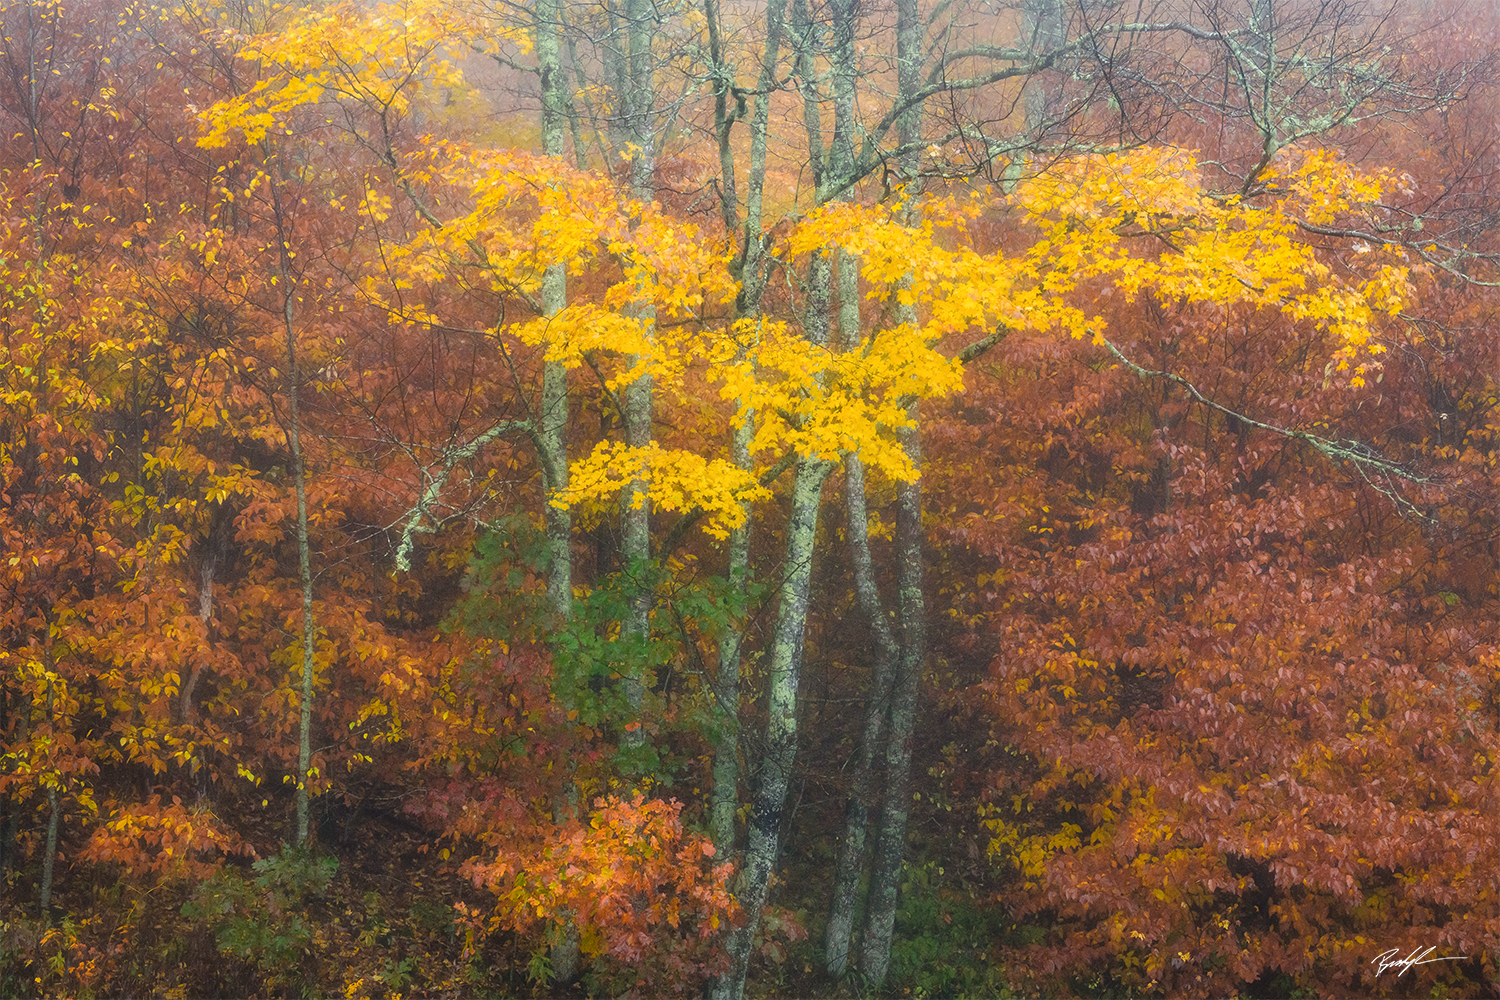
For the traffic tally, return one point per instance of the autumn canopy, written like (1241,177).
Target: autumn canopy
(848,498)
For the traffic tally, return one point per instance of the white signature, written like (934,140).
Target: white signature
(1390,960)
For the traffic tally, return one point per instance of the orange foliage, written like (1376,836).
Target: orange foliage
(170,840)
(643,892)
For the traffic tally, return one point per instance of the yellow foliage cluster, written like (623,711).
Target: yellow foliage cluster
(820,402)
(1142,221)
(676,480)
(1145,221)
(382,56)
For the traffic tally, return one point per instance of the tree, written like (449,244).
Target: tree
(1152,393)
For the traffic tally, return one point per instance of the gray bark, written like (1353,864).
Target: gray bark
(635,547)
(635,516)
(1044,28)
(552,423)
(890,846)
(8,808)
(292,385)
(186,708)
(33,108)
(749,268)
(725,801)
(54,812)
(566,954)
(785,654)
(304,560)
(850,867)
(750,265)
(781,725)
(640,73)
(851,857)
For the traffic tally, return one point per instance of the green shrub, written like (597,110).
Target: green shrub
(264,920)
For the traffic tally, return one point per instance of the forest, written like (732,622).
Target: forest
(674,498)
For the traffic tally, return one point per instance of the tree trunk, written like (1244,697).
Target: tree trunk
(785,654)
(304,564)
(635,547)
(635,528)
(293,430)
(781,724)
(890,848)
(851,858)
(749,268)
(187,710)
(552,423)
(725,802)
(850,867)
(8,808)
(552,434)
(1043,26)
(50,856)
(891,844)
